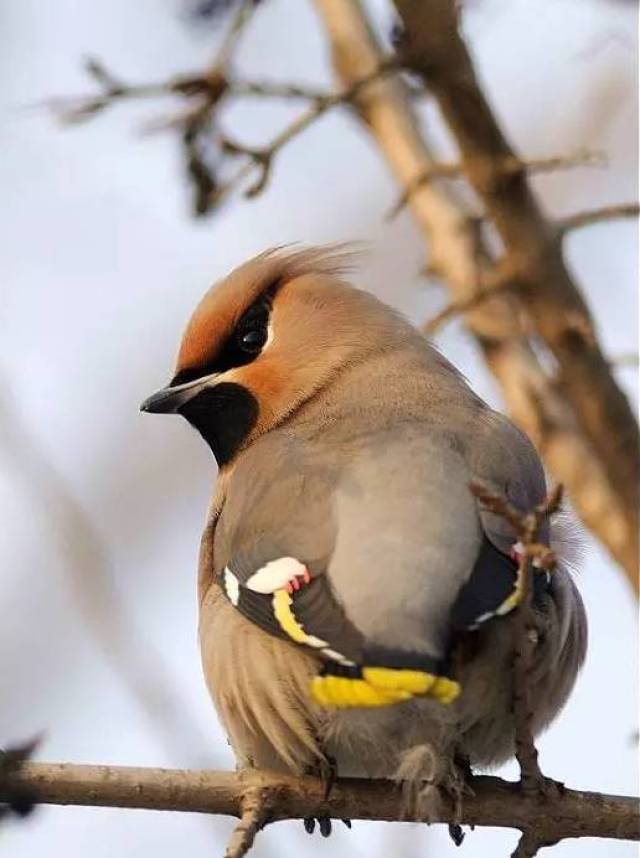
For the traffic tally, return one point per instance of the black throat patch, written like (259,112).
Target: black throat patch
(224,415)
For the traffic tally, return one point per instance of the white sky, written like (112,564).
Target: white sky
(102,506)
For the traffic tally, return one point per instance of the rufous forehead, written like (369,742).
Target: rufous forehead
(222,306)
(205,332)
(217,314)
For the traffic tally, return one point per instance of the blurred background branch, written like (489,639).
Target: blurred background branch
(604,485)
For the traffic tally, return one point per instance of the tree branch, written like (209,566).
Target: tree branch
(528,845)
(433,48)
(255,805)
(508,167)
(598,215)
(263,158)
(205,93)
(487,291)
(531,552)
(230,40)
(492,802)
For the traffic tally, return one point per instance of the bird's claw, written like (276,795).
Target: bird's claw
(456,833)
(324,825)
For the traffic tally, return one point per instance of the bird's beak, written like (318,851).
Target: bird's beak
(170,399)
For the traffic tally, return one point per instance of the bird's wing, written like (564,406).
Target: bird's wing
(292,599)
(502,459)
(373,567)
(275,540)
(296,601)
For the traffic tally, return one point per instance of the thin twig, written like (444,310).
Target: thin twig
(526,527)
(528,845)
(510,165)
(210,84)
(261,159)
(230,40)
(254,804)
(70,110)
(597,215)
(205,91)
(275,89)
(488,289)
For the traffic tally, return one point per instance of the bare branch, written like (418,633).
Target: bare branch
(231,38)
(69,110)
(598,215)
(433,48)
(509,166)
(537,403)
(254,806)
(489,288)
(492,802)
(204,93)
(262,159)
(275,89)
(526,527)
(528,845)
(536,399)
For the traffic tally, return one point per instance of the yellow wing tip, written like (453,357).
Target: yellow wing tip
(414,681)
(381,686)
(445,690)
(343,692)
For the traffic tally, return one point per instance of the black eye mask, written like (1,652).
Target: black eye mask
(225,413)
(243,345)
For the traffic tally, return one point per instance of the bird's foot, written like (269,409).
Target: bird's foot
(463,770)
(541,785)
(329,774)
(456,833)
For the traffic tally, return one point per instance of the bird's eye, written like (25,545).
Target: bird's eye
(252,340)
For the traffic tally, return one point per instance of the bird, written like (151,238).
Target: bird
(356,599)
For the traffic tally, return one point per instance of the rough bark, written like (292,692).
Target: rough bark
(492,802)
(579,419)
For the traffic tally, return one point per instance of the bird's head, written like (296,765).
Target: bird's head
(265,340)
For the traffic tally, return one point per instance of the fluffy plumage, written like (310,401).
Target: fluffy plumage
(347,443)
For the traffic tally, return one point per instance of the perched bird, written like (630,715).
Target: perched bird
(354,595)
